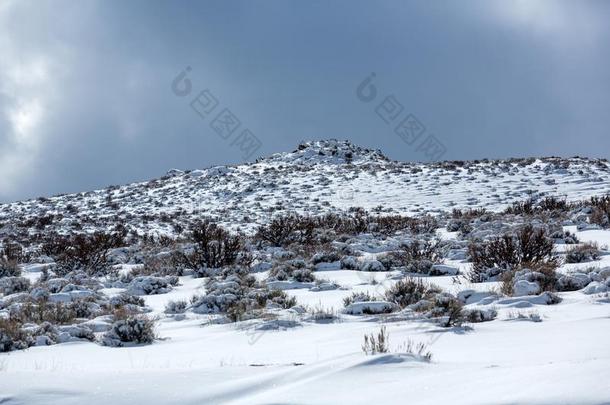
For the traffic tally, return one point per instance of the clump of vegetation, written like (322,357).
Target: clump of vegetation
(600,211)
(238,295)
(293,270)
(409,291)
(388,225)
(477,315)
(470,213)
(532,316)
(214,247)
(419,350)
(176,307)
(544,274)
(583,253)
(548,205)
(374,344)
(159,266)
(291,229)
(86,252)
(287,229)
(447,307)
(358,297)
(13,336)
(11,254)
(41,310)
(133,329)
(379,343)
(12,285)
(528,247)
(417,257)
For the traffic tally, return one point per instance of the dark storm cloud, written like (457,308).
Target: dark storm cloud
(85,97)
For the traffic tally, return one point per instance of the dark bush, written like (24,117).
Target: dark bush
(553,204)
(11,254)
(468,214)
(528,247)
(12,336)
(287,229)
(416,257)
(449,307)
(521,208)
(41,310)
(87,252)
(291,271)
(410,291)
(133,329)
(175,307)
(600,213)
(358,297)
(11,285)
(583,253)
(214,247)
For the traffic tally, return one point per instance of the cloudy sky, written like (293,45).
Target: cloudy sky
(86,97)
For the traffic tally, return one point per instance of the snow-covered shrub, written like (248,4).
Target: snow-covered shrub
(583,253)
(565,237)
(370,308)
(322,314)
(238,294)
(529,281)
(175,307)
(409,291)
(291,271)
(151,285)
(447,307)
(533,316)
(13,336)
(349,263)
(85,308)
(159,266)
(12,285)
(45,334)
(125,304)
(75,332)
(11,255)
(600,213)
(476,315)
(416,257)
(573,282)
(529,247)
(372,265)
(325,257)
(273,298)
(358,297)
(131,330)
(43,310)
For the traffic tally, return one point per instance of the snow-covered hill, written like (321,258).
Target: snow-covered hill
(318,177)
(280,315)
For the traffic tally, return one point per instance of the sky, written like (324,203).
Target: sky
(91,93)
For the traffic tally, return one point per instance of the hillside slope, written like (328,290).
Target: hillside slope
(318,177)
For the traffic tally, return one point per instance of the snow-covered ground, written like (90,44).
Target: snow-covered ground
(564,358)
